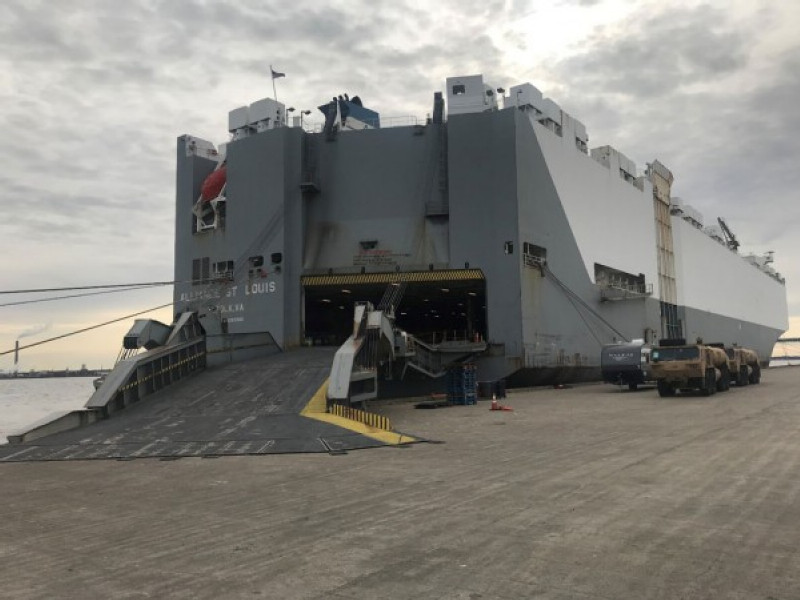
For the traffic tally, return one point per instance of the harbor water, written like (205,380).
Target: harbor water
(25,401)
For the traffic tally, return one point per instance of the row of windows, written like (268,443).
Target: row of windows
(204,271)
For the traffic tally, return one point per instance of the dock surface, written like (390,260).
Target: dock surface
(587,492)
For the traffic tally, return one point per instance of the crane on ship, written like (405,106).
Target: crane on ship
(730,239)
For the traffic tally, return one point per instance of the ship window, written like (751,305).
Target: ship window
(533,255)
(673,353)
(459,89)
(256,261)
(200,270)
(205,265)
(195,271)
(223,269)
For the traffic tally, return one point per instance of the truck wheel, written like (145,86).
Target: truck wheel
(709,384)
(757,374)
(724,382)
(665,389)
(742,379)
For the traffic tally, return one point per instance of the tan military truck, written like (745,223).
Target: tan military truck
(677,365)
(743,365)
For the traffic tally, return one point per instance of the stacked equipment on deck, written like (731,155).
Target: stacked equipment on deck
(461,384)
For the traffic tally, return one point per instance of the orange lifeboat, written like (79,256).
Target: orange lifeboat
(213,184)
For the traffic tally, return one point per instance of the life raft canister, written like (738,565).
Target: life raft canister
(213,184)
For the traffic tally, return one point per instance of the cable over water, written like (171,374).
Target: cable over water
(59,337)
(52,298)
(92,287)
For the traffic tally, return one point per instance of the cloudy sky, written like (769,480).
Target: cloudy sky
(93,94)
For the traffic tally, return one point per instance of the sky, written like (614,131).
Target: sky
(94,93)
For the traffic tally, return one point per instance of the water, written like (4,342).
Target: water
(782,362)
(25,401)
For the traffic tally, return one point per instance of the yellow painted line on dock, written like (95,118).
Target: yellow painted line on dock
(315,409)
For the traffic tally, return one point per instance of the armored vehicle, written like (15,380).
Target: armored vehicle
(743,365)
(680,366)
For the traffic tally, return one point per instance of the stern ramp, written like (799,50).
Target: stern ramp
(243,408)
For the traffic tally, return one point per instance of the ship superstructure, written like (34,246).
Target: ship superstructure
(506,240)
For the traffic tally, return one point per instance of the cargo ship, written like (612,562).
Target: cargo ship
(484,247)
(488,232)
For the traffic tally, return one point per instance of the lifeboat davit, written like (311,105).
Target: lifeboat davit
(213,184)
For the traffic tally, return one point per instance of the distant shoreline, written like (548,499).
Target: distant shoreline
(774,362)
(52,374)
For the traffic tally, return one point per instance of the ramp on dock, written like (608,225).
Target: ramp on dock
(250,407)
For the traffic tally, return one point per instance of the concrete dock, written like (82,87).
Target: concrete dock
(587,492)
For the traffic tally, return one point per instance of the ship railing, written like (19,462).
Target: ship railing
(535,357)
(619,290)
(401,121)
(532,261)
(432,359)
(766,269)
(146,373)
(385,123)
(434,338)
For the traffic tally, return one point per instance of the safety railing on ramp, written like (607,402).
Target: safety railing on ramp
(146,373)
(362,416)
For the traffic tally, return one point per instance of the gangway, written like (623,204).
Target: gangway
(432,359)
(376,345)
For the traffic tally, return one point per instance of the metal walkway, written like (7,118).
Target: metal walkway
(243,408)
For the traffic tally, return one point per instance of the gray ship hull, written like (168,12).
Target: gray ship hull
(483,214)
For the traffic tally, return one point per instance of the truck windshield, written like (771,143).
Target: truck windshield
(676,353)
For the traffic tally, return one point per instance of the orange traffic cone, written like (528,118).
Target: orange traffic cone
(495,405)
